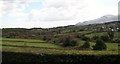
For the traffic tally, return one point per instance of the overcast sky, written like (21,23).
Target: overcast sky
(52,13)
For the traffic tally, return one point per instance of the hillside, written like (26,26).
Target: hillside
(62,44)
(38,33)
(103,19)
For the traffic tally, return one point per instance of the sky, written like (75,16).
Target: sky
(52,13)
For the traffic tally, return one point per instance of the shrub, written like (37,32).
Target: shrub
(100,45)
(111,35)
(94,38)
(105,38)
(83,37)
(86,45)
(68,41)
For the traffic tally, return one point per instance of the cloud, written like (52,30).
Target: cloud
(57,12)
(70,10)
(52,14)
(10,5)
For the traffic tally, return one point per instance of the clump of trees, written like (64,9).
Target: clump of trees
(69,41)
(100,45)
(66,41)
(86,45)
(105,38)
(108,37)
(83,37)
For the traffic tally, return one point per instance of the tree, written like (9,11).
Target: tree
(111,35)
(68,41)
(83,37)
(105,38)
(100,45)
(94,38)
(86,44)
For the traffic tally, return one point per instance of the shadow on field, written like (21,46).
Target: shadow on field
(8,57)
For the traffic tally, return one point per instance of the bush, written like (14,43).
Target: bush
(83,37)
(100,45)
(68,41)
(86,45)
(105,38)
(111,35)
(9,57)
(94,38)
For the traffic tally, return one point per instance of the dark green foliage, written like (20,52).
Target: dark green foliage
(83,37)
(94,38)
(68,41)
(44,37)
(9,57)
(105,38)
(86,45)
(111,35)
(100,45)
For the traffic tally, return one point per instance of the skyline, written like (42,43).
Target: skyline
(52,13)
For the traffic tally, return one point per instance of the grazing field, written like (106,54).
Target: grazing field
(22,40)
(49,48)
(28,42)
(110,46)
(117,34)
(56,51)
(84,44)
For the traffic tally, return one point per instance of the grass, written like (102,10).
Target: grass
(84,32)
(22,40)
(47,45)
(112,47)
(116,35)
(56,51)
(93,34)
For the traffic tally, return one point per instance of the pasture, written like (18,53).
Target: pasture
(40,46)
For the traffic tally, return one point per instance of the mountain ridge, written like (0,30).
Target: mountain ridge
(103,19)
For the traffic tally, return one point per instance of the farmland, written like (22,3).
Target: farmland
(88,42)
(40,51)
(48,48)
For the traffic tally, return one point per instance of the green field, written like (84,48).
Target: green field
(110,46)
(22,40)
(28,42)
(56,51)
(49,48)
(117,34)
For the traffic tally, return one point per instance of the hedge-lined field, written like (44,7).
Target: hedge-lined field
(26,46)
(25,50)
(22,40)
(56,51)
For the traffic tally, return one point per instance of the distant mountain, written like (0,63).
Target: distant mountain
(103,19)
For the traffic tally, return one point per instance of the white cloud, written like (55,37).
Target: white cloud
(62,12)
(56,10)
(10,5)
(52,14)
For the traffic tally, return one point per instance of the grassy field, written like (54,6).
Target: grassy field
(49,48)
(22,40)
(110,46)
(28,42)
(117,34)
(56,51)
